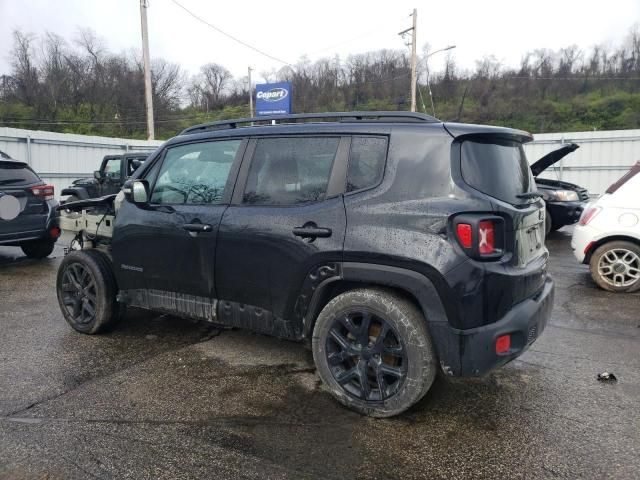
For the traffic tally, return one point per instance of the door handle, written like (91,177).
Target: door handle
(197,227)
(312,232)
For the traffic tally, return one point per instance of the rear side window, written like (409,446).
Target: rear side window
(13,173)
(288,171)
(497,168)
(195,173)
(133,164)
(366,162)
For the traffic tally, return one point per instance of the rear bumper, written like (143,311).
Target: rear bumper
(583,237)
(472,352)
(38,229)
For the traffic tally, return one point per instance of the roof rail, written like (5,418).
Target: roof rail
(340,116)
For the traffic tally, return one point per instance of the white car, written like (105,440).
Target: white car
(607,236)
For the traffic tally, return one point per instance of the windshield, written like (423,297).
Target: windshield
(14,173)
(498,168)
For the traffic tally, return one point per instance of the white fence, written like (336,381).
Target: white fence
(603,156)
(60,158)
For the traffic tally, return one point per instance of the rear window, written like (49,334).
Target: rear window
(497,168)
(13,173)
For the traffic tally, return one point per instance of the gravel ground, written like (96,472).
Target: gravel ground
(161,397)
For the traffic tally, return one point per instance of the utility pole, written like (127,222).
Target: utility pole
(414,60)
(250,94)
(147,68)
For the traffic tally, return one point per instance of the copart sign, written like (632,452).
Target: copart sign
(273,99)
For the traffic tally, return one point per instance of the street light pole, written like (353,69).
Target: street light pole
(426,62)
(147,69)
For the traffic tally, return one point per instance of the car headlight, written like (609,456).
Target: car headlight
(563,195)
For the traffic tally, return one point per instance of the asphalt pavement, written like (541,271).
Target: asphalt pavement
(161,397)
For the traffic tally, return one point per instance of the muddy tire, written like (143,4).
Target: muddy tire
(87,291)
(373,352)
(615,266)
(38,248)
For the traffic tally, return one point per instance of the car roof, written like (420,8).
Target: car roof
(374,122)
(324,117)
(127,155)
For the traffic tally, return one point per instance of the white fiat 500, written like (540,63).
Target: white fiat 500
(607,236)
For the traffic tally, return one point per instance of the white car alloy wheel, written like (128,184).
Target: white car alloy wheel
(619,267)
(615,266)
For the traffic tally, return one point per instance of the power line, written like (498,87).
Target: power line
(376,29)
(228,35)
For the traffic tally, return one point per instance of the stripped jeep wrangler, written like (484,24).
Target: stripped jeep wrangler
(396,244)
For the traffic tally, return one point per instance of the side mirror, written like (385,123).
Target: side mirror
(137,192)
(97,175)
(136,164)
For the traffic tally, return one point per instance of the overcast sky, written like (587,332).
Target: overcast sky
(288,29)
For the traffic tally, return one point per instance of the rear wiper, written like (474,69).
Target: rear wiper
(530,195)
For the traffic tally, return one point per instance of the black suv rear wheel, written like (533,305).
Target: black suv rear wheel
(38,248)
(87,291)
(373,352)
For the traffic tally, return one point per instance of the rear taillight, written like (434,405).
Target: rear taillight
(486,238)
(45,192)
(463,230)
(588,215)
(480,236)
(54,232)
(503,343)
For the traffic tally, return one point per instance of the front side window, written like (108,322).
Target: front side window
(112,168)
(195,173)
(288,171)
(366,162)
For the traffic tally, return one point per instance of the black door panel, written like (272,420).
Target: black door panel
(281,224)
(261,262)
(170,245)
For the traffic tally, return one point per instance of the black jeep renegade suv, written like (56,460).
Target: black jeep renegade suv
(397,244)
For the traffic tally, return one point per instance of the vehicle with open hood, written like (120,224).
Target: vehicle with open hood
(564,201)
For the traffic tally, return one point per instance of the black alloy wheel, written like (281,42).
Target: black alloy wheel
(79,295)
(87,290)
(366,356)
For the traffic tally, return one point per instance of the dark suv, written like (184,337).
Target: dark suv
(397,244)
(114,171)
(564,201)
(27,209)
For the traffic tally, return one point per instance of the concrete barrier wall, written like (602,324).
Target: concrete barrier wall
(603,156)
(60,158)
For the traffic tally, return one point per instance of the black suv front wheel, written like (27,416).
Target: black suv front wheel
(373,352)
(87,291)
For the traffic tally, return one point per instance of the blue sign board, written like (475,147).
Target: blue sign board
(273,99)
